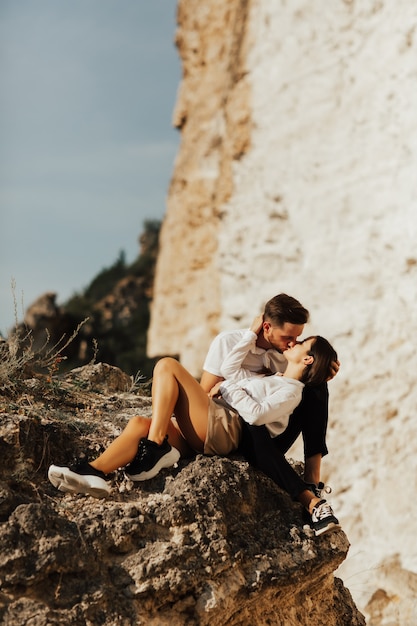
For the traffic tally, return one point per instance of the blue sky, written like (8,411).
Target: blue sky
(87,91)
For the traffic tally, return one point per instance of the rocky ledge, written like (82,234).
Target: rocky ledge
(210,541)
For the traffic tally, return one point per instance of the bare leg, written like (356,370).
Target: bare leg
(308,500)
(122,450)
(175,391)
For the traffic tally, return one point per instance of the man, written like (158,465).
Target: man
(283,321)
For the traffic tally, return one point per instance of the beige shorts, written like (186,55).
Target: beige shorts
(224,428)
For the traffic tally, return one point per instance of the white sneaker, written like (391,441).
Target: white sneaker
(80,478)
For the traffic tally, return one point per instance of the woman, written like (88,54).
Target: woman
(209,425)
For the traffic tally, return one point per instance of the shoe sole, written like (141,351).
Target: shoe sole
(326,529)
(168,460)
(68,481)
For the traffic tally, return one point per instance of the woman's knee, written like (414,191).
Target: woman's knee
(139,425)
(166,364)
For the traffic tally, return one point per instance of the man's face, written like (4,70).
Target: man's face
(282,337)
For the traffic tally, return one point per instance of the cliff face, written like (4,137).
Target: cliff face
(296,173)
(210,541)
(213,114)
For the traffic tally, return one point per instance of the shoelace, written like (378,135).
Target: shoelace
(321,487)
(141,453)
(323,510)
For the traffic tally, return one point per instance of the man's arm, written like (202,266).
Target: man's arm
(208,380)
(218,349)
(334,368)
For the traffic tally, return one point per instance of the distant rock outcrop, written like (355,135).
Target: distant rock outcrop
(211,541)
(45,324)
(108,321)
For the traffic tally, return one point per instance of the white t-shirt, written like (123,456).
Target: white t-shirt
(259,399)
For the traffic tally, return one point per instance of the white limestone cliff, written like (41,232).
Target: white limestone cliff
(297,172)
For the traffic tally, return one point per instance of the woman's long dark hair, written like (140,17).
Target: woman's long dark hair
(320,370)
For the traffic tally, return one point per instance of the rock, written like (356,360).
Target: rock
(209,541)
(45,328)
(102,377)
(41,311)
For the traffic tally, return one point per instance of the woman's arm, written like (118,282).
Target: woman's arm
(274,407)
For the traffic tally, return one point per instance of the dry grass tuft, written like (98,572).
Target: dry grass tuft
(19,361)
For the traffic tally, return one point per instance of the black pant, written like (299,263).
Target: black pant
(268,454)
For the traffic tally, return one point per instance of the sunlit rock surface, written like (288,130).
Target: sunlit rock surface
(297,173)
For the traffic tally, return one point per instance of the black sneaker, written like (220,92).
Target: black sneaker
(323,518)
(80,478)
(150,459)
(319,488)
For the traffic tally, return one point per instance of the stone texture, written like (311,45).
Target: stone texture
(102,377)
(213,114)
(320,202)
(211,541)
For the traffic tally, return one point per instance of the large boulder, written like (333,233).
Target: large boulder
(211,540)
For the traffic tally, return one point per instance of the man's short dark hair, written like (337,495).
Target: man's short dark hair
(283,308)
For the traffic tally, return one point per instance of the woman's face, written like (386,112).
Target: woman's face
(299,351)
